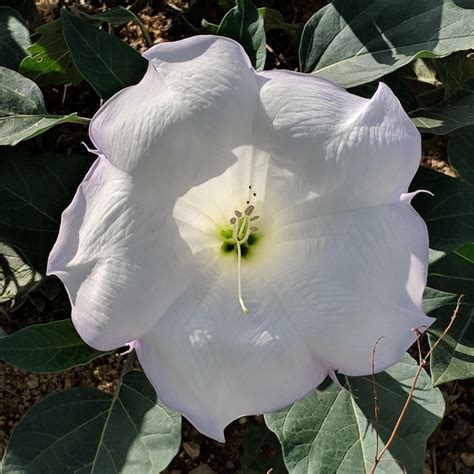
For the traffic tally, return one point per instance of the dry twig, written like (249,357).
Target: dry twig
(422,365)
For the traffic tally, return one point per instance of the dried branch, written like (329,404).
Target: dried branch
(422,365)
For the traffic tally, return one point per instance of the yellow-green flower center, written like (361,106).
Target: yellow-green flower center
(239,238)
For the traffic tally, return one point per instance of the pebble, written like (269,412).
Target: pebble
(193,450)
(202,469)
(468,459)
(32,381)
(470,442)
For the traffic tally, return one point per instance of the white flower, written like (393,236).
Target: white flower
(158,247)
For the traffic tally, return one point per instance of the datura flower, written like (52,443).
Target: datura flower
(247,233)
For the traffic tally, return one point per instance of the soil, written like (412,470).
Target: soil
(450,448)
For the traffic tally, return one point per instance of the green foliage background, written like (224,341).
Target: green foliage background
(423,45)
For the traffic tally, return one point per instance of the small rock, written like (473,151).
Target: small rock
(470,442)
(32,381)
(192,449)
(468,459)
(202,469)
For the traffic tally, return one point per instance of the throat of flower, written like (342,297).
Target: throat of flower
(241,230)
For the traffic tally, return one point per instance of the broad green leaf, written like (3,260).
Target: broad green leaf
(453,358)
(46,348)
(425,71)
(118,16)
(245,24)
(84,430)
(332,431)
(453,271)
(22,111)
(17,278)
(434,299)
(450,70)
(466,251)
(262,451)
(14,38)
(34,190)
(449,214)
(356,42)
(461,152)
(273,20)
(456,112)
(50,61)
(107,63)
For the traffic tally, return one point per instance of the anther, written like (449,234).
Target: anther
(253,229)
(254,218)
(238,213)
(249,210)
(233,220)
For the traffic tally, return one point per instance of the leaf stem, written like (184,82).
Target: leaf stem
(82,120)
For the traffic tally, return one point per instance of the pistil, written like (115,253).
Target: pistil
(241,230)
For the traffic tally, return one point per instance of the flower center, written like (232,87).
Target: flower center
(239,238)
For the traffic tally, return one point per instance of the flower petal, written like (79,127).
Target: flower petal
(321,290)
(357,151)
(111,242)
(177,127)
(213,364)
(353,277)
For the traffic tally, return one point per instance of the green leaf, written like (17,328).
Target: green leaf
(46,348)
(332,431)
(453,358)
(449,214)
(22,111)
(84,430)
(456,112)
(425,71)
(356,42)
(107,63)
(118,16)
(14,38)
(34,190)
(453,271)
(245,24)
(461,152)
(450,70)
(17,278)
(273,20)
(50,61)
(434,299)
(262,451)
